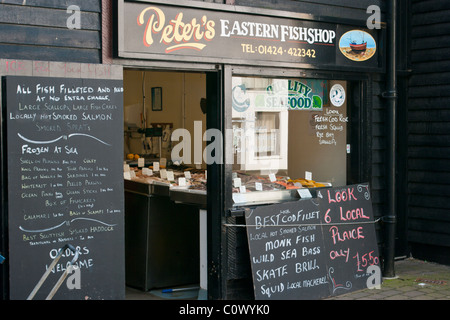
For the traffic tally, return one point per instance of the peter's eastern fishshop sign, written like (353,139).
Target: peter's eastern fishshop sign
(156,31)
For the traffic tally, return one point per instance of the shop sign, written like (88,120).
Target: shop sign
(155,31)
(285,94)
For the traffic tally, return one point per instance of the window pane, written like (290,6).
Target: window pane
(288,133)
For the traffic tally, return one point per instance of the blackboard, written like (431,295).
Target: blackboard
(314,248)
(65,185)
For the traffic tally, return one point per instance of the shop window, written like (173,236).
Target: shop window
(288,134)
(267,134)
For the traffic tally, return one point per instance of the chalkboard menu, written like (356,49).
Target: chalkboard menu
(316,248)
(65,185)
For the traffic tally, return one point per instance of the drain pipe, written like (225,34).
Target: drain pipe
(390,218)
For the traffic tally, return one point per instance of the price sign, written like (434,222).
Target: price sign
(65,175)
(315,248)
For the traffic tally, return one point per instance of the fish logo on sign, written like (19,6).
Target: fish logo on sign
(240,102)
(337,95)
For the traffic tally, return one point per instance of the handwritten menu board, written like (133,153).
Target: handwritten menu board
(65,184)
(312,249)
(328,126)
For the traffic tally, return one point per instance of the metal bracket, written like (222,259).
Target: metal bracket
(389,219)
(389,94)
(239,212)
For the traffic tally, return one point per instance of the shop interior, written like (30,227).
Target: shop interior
(288,136)
(282,145)
(160,100)
(162,237)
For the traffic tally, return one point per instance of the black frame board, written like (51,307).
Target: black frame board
(65,185)
(314,248)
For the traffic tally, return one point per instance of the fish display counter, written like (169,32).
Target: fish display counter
(161,237)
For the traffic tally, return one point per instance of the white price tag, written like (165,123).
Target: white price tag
(163,174)
(156,166)
(272,177)
(237,182)
(127,175)
(141,162)
(187,175)
(147,172)
(304,193)
(182,182)
(126,167)
(242,189)
(258,186)
(170,176)
(308,175)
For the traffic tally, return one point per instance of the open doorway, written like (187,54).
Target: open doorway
(165,182)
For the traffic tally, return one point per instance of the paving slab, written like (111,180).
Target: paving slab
(415,280)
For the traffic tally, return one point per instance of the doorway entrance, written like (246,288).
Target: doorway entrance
(165,182)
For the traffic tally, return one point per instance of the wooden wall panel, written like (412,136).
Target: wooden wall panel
(343,9)
(37,30)
(428,126)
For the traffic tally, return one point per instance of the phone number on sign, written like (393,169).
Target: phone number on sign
(274,50)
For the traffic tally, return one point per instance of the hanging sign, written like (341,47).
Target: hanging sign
(317,248)
(157,31)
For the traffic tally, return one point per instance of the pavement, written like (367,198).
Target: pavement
(414,280)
